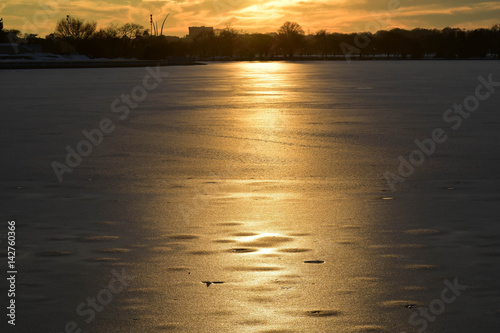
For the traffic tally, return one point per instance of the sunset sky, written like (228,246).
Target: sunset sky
(40,16)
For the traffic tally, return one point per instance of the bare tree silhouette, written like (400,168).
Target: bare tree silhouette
(290,36)
(75,28)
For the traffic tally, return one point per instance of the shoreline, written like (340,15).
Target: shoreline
(90,64)
(36,64)
(303,59)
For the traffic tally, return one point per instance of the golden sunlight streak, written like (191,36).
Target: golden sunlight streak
(265,84)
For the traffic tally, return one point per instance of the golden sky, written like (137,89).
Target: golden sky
(40,16)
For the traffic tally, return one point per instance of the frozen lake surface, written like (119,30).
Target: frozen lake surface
(255,197)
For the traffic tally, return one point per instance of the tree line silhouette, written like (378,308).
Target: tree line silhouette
(75,35)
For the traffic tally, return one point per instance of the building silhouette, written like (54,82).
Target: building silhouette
(197,31)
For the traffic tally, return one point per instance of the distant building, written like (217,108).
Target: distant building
(197,31)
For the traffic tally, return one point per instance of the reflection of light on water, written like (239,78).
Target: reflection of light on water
(266,251)
(255,237)
(267,66)
(272,189)
(258,196)
(262,92)
(264,242)
(265,85)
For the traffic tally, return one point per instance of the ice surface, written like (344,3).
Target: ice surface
(264,179)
